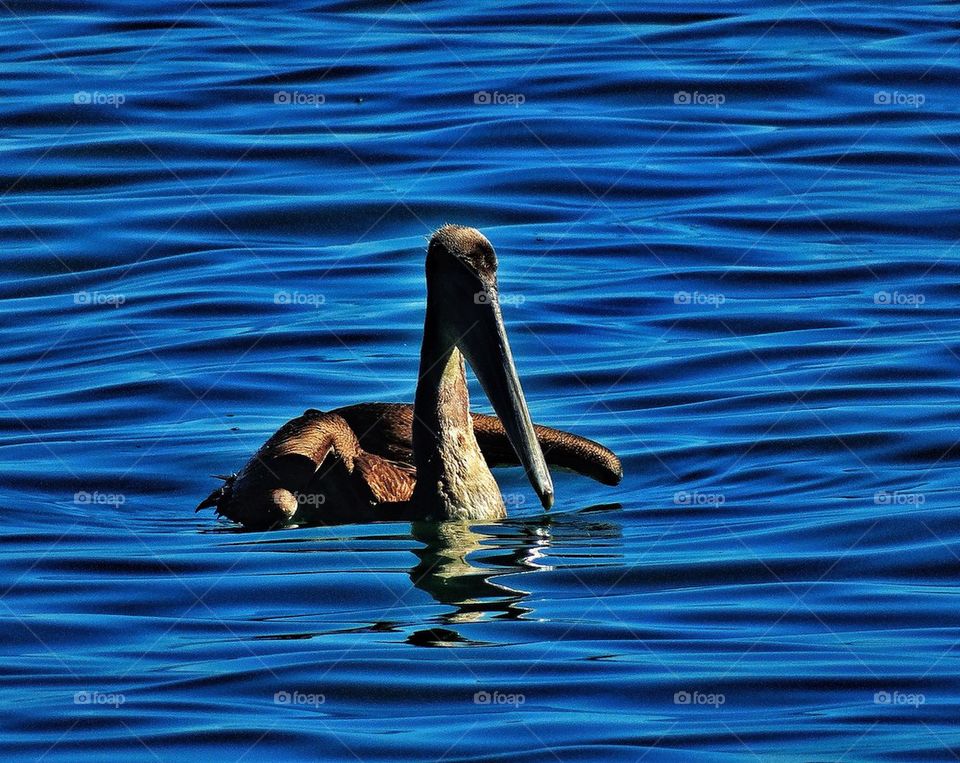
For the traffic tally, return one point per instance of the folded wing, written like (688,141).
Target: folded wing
(386,429)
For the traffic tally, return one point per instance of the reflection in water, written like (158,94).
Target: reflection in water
(446,574)
(473,590)
(461,566)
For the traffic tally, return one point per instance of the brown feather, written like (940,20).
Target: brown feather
(386,429)
(355,458)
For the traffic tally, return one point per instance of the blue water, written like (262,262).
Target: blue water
(728,234)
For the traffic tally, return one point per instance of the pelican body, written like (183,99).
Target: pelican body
(429,461)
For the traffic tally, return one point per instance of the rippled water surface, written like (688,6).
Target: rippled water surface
(728,250)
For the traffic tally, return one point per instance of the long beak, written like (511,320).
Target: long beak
(487,350)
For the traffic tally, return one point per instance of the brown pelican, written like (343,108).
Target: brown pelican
(430,460)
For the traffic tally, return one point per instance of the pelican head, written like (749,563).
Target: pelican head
(462,298)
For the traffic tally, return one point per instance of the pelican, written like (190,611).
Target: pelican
(431,460)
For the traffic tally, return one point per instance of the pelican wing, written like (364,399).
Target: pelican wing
(386,429)
(312,469)
(340,466)
(268,490)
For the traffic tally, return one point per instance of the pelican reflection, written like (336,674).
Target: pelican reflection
(475,569)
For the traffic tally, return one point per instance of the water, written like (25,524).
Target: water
(728,235)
